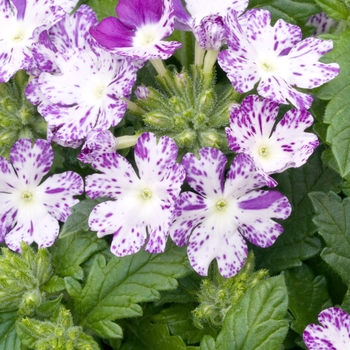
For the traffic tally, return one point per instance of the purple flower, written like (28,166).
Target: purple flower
(97,142)
(21,24)
(214,219)
(142,203)
(275,57)
(81,86)
(205,19)
(335,333)
(273,148)
(139,29)
(30,212)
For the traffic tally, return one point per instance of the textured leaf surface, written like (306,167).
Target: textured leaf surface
(298,241)
(333,222)
(8,335)
(71,251)
(113,290)
(103,8)
(257,321)
(337,111)
(308,296)
(334,8)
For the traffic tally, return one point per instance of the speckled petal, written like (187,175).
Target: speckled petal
(57,193)
(117,177)
(256,209)
(8,177)
(31,163)
(40,227)
(207,243)
(158,235)
(8,214)
(190,210)
(210,33)
(153,158)
(205,175)
(335,333)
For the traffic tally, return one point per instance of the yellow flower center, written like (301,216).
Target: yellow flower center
(146,194)
(221,204)
(27,196)
(263,151)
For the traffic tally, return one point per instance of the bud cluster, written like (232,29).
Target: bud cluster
(21,276)
(18,117)
(187,109)
(219,294)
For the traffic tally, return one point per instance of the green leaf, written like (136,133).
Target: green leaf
(307,295)
(145,335)
(71,251)
(103,8)
(334,9)
(292,11)
(333,222)
(47,308)
(180,322)
(298,241)
(207,343)
(8,336)
(78,220)
(337,111)
(127,281)
(257,321)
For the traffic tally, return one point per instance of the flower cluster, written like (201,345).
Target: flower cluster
(82,76)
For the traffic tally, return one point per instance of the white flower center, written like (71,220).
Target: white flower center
(99,91)
(27,196)
(146,36)
(146,194)
(18,37)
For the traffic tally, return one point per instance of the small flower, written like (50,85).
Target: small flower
(142,204)
(275,57)
(215,218)
(273,149)
(21,24)
(335,333)
(139,29)
(97,142)
(322,23)
(30,212)
(206,20)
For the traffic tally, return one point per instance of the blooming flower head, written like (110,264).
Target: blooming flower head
(215,218)
(206,19)
(334,334)
(273,149)
(142,203)
(22,21)
(275,57)
(30,211)
(85,88)
(139,29)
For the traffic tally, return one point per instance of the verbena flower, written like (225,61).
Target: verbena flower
(30,211)
(141,203)
(85,88)
(205,19)
(274,148)
(334,334)
(97,142)
(139,29)
(215,219)
(276,57)
(322,23)
(22,21)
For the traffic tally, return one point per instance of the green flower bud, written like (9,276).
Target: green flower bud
(157,120)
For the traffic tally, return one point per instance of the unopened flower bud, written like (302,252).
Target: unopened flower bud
(157,119)
(142,92)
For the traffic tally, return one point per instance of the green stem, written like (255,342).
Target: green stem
(132,106)
(159,67)
(209,61)
(127,141)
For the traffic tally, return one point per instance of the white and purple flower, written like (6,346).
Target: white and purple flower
(142,204)
(30,211)
(334,334)
(205,19)
(81,85)
(22,21)
(274,148)
(97,142)
(214,219)
(276,57)
(139,29)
